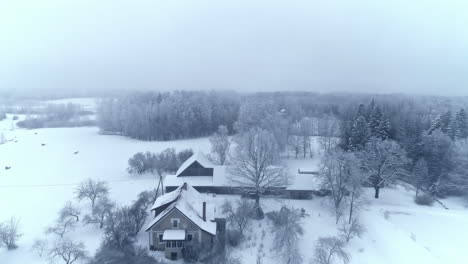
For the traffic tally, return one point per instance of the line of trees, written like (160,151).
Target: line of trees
(168,116)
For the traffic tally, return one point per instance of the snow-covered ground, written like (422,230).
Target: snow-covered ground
(43,178)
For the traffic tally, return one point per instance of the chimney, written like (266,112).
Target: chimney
(184,186)
(204,211)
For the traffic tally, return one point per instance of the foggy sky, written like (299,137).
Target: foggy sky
(411,46)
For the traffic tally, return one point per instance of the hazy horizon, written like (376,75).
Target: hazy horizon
(364,46)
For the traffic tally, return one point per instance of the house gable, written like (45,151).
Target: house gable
(196,169)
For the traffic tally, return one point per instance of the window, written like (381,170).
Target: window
(189,237)
(180,244)
(175,223)
(174,244)
(160,237)
(168,244)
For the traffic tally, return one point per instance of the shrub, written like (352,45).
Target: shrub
(234,237)
(128,254)
(191,251)
(9,233)
(424,199)
(240,217)
(329,248)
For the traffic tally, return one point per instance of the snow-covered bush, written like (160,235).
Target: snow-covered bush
(40,247)
(128,254)
(351,230)
(164,162)
(191,251)
(424,199)
(9,233)
(233,237)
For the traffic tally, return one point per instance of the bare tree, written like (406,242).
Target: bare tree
(294,143)
(62,226)
(337,169)
(328,129)
(39,246)
(306,131)
(382,161)
(329,249)
(70,211)
(99,212)
(241,216)
(92,190)
(255,164)
(9,233)
(355,188)
(68,251)
(220,144)
(287,227)
(349,231)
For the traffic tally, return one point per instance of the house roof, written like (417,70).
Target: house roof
(190,203)
(200,157)
(174,234)
(218,178)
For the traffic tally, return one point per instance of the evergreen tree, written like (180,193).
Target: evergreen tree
(461,128)
(420,175)
(360,134)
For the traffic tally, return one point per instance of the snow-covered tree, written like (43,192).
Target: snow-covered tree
(336,170)
(69,210)
(68,251)
(287,228)
(255,164)
(239,217)
(99,212)
(119,228)
(62,226)
(420,175)
(360,134)
(92,190)
(382,161)
(461,128)
(437,150)
(327,131)
(220,144)
(330,249)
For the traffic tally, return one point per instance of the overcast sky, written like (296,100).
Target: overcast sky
(413,46)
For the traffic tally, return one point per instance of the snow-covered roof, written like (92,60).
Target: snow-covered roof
(200,157)
(174,234)
(190,203)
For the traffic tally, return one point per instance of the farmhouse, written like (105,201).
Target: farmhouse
(205,176)
(182,216)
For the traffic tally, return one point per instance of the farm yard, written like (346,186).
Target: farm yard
(46,165)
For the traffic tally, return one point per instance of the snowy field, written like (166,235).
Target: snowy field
(43,177)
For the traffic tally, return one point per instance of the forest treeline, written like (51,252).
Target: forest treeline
(168,116)
(427,131)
